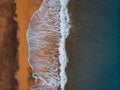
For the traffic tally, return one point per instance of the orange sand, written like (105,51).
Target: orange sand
(25,9)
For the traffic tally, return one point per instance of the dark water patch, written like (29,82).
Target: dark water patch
(8,46)
(93,45)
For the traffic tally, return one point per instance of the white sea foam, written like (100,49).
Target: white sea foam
(64,27)
(49,23)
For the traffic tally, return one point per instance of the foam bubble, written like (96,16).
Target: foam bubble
(46,35)
(65,27)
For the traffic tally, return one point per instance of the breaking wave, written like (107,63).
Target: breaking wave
(46,35)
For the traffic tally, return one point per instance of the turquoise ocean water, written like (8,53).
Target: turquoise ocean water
(93,46)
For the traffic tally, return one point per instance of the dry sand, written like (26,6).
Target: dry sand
(24,11)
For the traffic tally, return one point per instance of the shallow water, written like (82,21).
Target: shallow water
(93,46)
(46,37)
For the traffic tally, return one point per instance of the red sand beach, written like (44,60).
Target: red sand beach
(24,11)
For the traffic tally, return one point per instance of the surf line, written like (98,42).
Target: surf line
(65,28)
(34,43)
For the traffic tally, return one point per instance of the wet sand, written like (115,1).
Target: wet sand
(15,72)
(24,11)
(8,46)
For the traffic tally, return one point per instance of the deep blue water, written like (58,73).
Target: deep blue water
(93,46)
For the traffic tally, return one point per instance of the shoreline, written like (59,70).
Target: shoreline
(24,11)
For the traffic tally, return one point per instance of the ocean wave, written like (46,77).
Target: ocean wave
(46,35)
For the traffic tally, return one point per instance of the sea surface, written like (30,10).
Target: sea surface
(93,46)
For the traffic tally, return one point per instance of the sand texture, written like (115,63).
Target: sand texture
(24,11)
(8,46)
(15,15)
